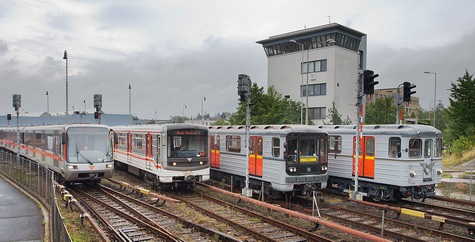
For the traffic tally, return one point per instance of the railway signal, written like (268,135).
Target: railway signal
(244,86)
(244,91)
(407,91)
(369,82)
(17,102)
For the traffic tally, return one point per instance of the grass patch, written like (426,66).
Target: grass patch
(449,188)
(452,160)
(76,230)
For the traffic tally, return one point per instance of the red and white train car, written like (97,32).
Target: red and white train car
(396,161)
(290,159)
(75,152)
(168,155)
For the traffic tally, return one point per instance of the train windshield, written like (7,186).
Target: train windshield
(303,148)
(89,145)
(187,143)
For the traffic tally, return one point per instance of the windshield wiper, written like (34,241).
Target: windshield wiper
(78,153)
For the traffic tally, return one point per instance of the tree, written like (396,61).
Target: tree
(381,111)
(335,116)
(270,108)
(461,113)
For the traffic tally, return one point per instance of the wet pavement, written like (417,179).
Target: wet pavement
(21,219)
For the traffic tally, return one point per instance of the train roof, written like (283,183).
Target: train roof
(53,127)
(275,128)
(384,129)
(156,127)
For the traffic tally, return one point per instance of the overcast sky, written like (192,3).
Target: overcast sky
(175,52)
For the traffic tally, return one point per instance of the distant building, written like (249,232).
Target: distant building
(411,109)
(322,62)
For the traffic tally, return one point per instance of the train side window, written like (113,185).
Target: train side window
(438,148)
(415,148)
(156,144)
(260,146)
(370,146)
(427,148)
(334,144)
(122,141)
(233,143)
(137,144)
(275,146)
(394,150)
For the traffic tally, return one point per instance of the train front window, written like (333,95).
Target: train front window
(438,148)
(415,148)
(303,149)
(187,143)
(89,145)
(427,148)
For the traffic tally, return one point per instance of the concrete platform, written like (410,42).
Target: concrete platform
(21,218)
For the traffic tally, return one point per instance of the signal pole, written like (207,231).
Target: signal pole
(365,85)
(244,91)
(17,105)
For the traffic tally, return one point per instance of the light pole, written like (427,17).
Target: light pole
(130,99)
(435,92)
(184,113)
(202,115)
(47,102)
(301,74)
(65,57)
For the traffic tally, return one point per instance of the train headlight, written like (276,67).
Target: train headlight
(201,162)
(412,173)
(174,163)
(324,168)
(110,166)
(71,167)
(292,169)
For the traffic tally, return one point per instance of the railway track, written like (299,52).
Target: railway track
(369,217)
(131,219)
(260,226)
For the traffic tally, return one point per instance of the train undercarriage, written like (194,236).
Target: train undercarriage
(384,192)
(260,187)
(179,182)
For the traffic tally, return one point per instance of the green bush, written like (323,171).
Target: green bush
(462,144)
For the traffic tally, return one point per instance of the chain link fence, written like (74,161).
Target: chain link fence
(38,181)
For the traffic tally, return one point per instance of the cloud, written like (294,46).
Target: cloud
(3,47)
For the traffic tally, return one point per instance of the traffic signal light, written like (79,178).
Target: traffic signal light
(96,115)
(98,101)
(407,91)
(244,86)
(9,117)
(369,82)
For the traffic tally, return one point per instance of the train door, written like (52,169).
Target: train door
(255,155)
(148,152)
(129,147)
(366,158)
(214,151)
(428,160)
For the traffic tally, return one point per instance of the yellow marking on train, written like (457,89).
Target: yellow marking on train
(413,213)
(308,159)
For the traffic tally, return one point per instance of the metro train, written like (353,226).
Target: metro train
(75,152)
(287,160)
(396,161)
(168,156)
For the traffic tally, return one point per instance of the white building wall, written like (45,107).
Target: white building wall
(341,78)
